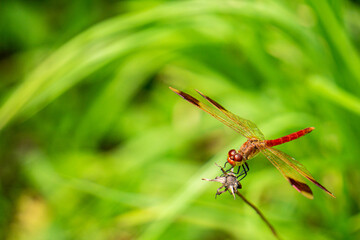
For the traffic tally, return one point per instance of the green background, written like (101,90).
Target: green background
(94,145)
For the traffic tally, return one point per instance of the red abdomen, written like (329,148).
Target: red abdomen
(288,138)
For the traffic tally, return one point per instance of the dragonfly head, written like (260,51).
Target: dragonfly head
(234,158)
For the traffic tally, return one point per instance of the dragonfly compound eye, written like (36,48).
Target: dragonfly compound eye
(237,157)
(232,152)
(231,160)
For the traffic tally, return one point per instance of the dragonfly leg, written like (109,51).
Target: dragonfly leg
(230,169)
(243,173)
(245,167)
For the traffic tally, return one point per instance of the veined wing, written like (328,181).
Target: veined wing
(291,169)
(240,125)
(244,123)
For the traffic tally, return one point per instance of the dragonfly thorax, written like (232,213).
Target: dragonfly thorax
(250,148)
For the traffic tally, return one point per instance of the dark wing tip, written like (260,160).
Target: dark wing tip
(186,96)
(212,101)
(301,187)
(321,186)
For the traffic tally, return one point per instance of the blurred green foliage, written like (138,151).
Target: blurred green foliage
(95,146)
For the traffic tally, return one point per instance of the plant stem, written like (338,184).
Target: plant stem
(260,214)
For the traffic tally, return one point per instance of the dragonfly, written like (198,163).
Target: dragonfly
(293,171)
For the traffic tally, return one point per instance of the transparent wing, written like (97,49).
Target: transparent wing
(293,171)
(250,127)
(245,127)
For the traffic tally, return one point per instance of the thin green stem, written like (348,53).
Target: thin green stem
(260,214)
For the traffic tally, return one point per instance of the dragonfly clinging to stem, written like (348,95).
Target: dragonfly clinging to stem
(291,169)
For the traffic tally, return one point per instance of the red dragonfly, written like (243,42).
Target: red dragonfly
(291,169)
